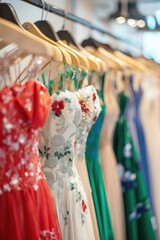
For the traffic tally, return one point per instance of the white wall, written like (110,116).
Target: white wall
(27,12)
(83,9)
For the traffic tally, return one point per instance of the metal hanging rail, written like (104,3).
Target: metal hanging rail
(53,9)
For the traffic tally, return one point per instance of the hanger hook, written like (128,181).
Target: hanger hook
(47,11)
(43,9)
(64,21)
(90,32)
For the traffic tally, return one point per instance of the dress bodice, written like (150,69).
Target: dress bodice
(122,125)
(93,139)
(123,101)
(56,145)
(137,95)
(90,106)
(132,112)
(21,119)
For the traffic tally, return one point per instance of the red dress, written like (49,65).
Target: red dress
(27,210)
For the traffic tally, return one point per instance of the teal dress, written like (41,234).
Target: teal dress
(136,202)
(95,173)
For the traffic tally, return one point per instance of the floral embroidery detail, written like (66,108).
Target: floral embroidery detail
(68,100)
(83,218)
(66,151)
(127,150)
(94,97)
(19,162)
(66,217)
(45,152)
(84,207)
(78,194)
(57,106)
(28,105)
(48,235)
(128,178)
(87,96)
(139,210)
(84,107)
(94,119)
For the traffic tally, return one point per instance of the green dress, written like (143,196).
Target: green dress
(95,174)
(137,206)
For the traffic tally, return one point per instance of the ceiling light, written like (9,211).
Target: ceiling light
(151,22)
(131,22)
(157,14)
(120,20)
(141,23)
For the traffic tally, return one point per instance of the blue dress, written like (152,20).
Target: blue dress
(137,96)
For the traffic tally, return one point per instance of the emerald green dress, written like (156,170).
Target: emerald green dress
(137,206)
(95,173)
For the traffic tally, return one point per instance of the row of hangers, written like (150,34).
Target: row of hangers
(39,38)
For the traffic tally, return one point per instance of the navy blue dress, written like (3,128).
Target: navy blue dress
(137,96)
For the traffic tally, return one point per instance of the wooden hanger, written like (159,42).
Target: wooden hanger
(137,65)
(90,42)
(149,63)
(110,56)
(95,48)
(110,62)
(86,44)
(8,12)
(122,68)
(82,59)
(10,33)
(66,36)
(2,44)
(47,30)
(113,60)
(32,28)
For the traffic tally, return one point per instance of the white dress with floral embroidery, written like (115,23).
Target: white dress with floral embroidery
(56,149)
(90,106)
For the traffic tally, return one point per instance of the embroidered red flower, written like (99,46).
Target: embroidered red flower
(95,118)
(94,97)
(83,106)
(84,207)
(57,106)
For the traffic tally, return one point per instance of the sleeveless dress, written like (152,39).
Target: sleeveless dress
(150,116)
(110,169)
(135,101)
(56,147)
(90,106)
(27,209)
(95,172)
(137,205)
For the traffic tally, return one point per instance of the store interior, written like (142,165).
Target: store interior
(79,120)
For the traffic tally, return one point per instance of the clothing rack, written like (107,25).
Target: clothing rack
(67,15)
